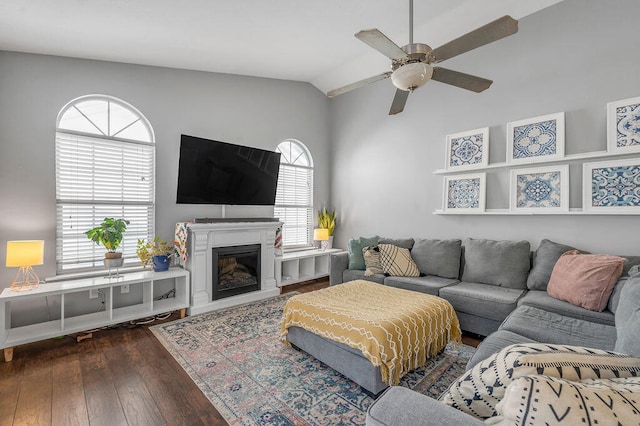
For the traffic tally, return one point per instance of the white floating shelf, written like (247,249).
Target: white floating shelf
(505,212)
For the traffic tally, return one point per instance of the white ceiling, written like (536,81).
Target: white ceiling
(296,40)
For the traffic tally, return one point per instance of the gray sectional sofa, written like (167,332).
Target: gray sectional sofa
(500,292)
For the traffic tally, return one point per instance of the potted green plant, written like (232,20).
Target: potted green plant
(157,252)
(109,233)
(327,220)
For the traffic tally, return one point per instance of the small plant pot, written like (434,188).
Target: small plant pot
(113,255)
(113,263)
(161,263)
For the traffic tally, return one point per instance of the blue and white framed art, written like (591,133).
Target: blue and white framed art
(468,150)
(623,126)
(464,193)
(540,189)
(536,140)
(611,186)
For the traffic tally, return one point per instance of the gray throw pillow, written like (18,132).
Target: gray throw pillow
(502,263)
(437,257)
(355,246)
(544,260)
(403,243)
(628,319)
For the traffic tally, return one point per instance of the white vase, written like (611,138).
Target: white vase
(330,242)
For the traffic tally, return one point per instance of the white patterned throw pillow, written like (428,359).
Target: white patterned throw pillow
(480,389)
(397,262)
(372,261)
(544,400)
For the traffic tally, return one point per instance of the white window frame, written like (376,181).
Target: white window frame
(81,185)
(302,166)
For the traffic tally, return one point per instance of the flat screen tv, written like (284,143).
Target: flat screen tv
(214,172)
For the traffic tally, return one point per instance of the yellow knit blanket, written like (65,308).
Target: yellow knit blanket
(397,330)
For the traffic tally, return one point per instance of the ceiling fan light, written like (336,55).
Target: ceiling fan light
(411,76)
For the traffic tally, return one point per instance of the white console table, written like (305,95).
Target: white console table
(115,310)
(305,265)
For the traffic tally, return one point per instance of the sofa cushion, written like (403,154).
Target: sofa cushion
(437,257)
(629,262)
(400,242)
(628,319)
(495,342)
(560,401)
(396,261)
(483,300)
(355,246)
(542,300)
(544,260)
(502,263)
(585,280)
(372,263)
(428,284)
(549,327)
(357,274)
(479,390)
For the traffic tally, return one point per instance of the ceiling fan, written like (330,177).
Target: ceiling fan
(411,64)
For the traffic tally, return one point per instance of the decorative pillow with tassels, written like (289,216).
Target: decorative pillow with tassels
(480,389)
(397,262)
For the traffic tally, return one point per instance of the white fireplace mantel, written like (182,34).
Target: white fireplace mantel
(203,237)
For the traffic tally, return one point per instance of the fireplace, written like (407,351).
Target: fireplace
(236,270)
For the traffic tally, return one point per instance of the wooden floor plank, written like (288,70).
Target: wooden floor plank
(124,359)
(10,382)
(34,400)
(68,407)
(103,404)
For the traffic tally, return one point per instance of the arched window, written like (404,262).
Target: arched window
(294,196)
(105,167)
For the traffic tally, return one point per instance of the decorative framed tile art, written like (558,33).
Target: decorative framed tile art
(464,193)
(611,186)
(623,126)
(536,140)
(540,189)
(468,150)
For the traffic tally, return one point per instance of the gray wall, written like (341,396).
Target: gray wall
(574,56)
(248,111)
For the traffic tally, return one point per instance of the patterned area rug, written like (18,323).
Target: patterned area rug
(235,357)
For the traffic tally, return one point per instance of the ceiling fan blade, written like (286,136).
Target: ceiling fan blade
(500,28)
(460,79)
(399,101)
(381,43)
(358,84)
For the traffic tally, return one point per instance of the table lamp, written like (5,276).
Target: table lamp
(322,235)
(24,255)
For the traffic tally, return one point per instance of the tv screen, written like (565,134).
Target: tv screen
(213,172)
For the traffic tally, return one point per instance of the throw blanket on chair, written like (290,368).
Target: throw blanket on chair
(397,330)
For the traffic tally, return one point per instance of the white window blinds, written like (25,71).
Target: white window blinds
(100,175)
(294,195)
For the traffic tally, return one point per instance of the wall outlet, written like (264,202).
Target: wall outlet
(93,293)
(124,288)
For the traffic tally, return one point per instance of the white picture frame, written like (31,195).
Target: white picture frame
(464,193)
(540,189)
(467,150)
(623,126)
(536,140)
(611,186)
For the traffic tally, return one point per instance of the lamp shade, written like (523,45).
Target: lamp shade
(411,76)
(25,253)
(321,234)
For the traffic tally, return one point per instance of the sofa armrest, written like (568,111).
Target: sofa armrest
(400,406)
(339,263)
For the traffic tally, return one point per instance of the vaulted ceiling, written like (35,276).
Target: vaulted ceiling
(296,40)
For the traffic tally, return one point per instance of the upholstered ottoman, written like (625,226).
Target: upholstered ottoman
(371,333)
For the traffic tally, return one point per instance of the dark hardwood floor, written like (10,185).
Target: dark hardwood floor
(121,376)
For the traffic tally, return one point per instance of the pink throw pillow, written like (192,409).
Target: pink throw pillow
(585,280)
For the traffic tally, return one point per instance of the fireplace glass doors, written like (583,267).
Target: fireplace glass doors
(236,270)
